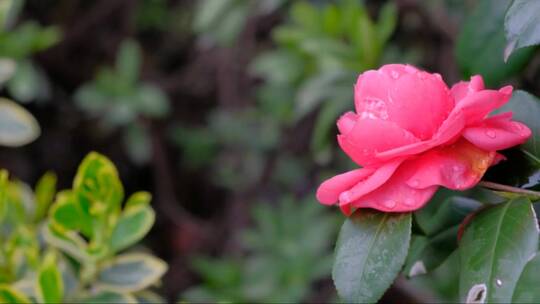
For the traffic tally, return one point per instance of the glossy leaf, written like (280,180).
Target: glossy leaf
(134,222)
(481,43)
(427,253)
(522,24)
(444,210)
(50,284)
(131,272)
(494,249)
(370,251)
(527,290)
(17,126)
(526,108)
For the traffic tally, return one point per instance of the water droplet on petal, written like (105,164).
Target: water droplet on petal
(373,108)
(491,134)
(345,197)
(394,74)
(517,125)
(415,183)
(498,282)
(457,168)
(390,204)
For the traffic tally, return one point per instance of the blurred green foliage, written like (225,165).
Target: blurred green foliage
(287,250)
(320,51)
(69,246)
(25,81)
(118,99)
(221,22)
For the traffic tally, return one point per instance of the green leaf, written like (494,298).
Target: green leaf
(69,214)
(50,285)
(131,272)
(278,66)
(526,108)
(11,295)
(370,251)
(45,191)
(134,222)
(17,126)
(522,25)
(481,44)
(526,290)
(107,296)
(138,144)
(151,101)
(128,61)
(3,193)
(494,249)
(334,87)
(97,182)
(444,210)
(28,83)
(427,253)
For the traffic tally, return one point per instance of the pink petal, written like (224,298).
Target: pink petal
(449,130)
(369,136)
(329,191)
(398,93)
(379,177)
(459,166)
(463,88)
(478,105)
(497,133)
(395,195)
(346,122)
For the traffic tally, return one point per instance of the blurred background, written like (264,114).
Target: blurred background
(225,110)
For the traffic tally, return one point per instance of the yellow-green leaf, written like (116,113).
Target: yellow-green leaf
(50,287)
(45,190)
(11,295)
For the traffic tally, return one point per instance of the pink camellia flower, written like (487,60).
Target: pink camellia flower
(411,134)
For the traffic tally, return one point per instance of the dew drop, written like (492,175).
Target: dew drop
(491,134)
(390,204)
(498,282)
(409,201)
(394,74)
(345,197)
(415,183)
(457,168)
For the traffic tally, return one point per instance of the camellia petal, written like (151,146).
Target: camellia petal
(463,88)
(329,191)
(459,166)
(379,177)
(497,133)
(398,93)
(478,105)
(395,195)
(361,142)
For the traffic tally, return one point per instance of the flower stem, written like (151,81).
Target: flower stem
(495,186)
